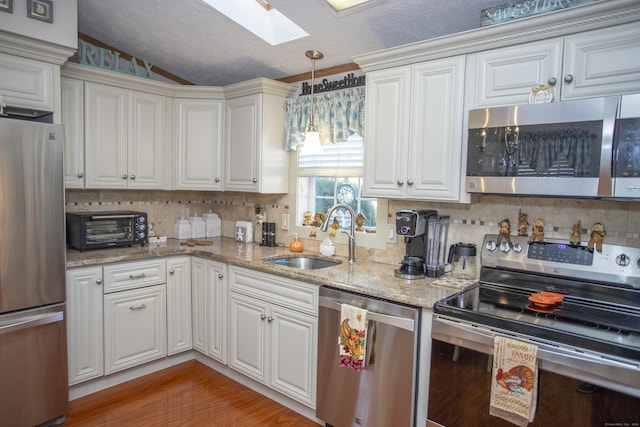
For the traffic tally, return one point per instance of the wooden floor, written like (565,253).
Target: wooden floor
(189,394)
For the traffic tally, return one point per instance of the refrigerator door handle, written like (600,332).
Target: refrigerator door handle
(32,321)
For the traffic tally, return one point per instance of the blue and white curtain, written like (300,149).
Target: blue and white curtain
(336,115)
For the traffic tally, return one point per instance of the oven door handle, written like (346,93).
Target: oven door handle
(480,338)
(112,216)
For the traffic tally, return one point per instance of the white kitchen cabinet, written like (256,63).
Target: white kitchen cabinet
(26,83)
(73,120)
(594,63)
(209,309)
(124,138)
(602,62)
(85,342)
(255,160)
(135,274)
(135,327)
(273,328)
(198,138)
(413,133)
(179,336)
(506,76)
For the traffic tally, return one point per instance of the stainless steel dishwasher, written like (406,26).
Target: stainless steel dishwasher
(383,393)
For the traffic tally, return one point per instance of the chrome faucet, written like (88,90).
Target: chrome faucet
(352,235)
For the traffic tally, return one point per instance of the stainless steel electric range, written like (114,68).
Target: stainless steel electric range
(588,344)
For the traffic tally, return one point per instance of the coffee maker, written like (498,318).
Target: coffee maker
(412,224)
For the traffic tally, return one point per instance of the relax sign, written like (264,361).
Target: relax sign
(109,60)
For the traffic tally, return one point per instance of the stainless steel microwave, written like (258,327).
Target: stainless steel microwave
(626,161)
(95,230)
(556,149)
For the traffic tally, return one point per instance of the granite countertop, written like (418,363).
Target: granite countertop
(366,277)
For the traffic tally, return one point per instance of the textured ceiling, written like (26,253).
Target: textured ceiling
(197,43)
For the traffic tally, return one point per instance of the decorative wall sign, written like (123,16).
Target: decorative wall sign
(106,59)
(40,9)
(524,8)
(6,6)
(350,80)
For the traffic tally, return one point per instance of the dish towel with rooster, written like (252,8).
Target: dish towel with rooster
(515,381)
(353,337)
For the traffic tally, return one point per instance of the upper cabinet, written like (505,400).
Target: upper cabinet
(254,157)
(124,134)
(26,83)
(73,120)
(602,62)
(594,63)
(198,144)
(413,131)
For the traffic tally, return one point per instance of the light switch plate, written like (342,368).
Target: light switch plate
(284,224)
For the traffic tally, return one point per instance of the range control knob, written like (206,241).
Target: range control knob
(505,247)
(517,247)
(623,260)
(491,245)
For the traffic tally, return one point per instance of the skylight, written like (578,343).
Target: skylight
(343,7)
(262,19)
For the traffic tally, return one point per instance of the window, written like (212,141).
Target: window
(333,177)
(336,175)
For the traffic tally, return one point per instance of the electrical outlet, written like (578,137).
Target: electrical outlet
(285,222)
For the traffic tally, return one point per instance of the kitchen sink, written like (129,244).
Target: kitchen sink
(303,262)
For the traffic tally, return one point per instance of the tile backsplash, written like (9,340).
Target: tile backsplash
(468,222)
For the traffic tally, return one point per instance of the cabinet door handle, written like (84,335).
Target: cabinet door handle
(99,282)
(137,276)
(139,307)
(171,271)
(80,174)
(568,78)
(255,180)
(262,317)
(132,177)
(220,276)
(400,182)
(124,176)
(269,319)
(409,182)
(217,179)
(552,81)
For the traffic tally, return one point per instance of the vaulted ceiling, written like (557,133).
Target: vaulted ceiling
(197,43)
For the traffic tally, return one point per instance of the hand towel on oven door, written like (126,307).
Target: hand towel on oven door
(353,337)
(515,384)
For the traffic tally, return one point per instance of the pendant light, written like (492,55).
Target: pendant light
(312,137)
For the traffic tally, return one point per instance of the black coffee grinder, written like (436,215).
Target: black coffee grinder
(412,224)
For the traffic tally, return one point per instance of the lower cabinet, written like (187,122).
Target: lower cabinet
(209,311)
(126,314)
(135,327)
(273,328)
(179,332)
(117,317)
(85,342)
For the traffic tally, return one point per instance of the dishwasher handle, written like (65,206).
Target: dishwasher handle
(399,322)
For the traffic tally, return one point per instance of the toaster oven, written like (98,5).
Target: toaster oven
(95,230)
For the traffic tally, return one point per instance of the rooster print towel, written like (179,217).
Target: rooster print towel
(515,381)
(353,337)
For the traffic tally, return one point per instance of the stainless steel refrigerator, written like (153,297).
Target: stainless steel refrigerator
(33,349)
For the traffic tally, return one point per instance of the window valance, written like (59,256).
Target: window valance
(336,115)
